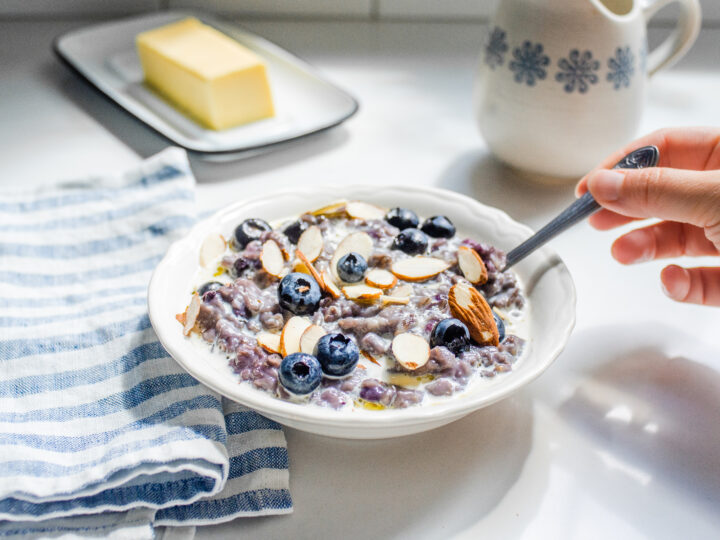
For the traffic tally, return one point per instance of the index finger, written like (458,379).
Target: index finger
(695,148)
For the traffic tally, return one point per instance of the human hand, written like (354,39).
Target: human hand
(683,191)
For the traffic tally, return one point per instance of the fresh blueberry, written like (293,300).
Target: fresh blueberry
(294,230)
(209,286)
(411,241)
(299,293)
(438,227)
(249,230)
(500,326)
(351,267)
(338,355)
(300,373)
(450,333)
(402,218)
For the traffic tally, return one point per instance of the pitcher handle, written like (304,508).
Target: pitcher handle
(682,37)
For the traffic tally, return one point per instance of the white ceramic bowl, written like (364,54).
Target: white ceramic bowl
(545,279)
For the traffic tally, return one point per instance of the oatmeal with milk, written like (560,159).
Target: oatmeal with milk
(352,305)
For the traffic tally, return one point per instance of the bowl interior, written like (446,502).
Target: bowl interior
(545,280)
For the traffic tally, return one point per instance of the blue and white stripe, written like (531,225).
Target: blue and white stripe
(100,430)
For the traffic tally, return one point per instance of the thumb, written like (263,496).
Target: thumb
(673,194)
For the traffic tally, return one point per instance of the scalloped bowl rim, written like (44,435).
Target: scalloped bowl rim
(176,344)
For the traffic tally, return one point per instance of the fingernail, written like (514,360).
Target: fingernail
(675,282)
(605,184)
(665,290)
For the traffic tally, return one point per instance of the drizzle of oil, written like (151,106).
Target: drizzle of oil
(369,405)
(409,381)
(219,272)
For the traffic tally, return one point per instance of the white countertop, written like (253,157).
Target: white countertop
(620,438)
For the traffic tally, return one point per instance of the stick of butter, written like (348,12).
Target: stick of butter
(208,75)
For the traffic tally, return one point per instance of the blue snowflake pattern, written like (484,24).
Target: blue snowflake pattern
(495,48)
(621,68)
(578,71)
(529,63)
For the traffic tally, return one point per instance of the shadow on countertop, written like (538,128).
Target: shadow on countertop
(405,487)
(657,416)
(646,401)
(146,142)
(481,176)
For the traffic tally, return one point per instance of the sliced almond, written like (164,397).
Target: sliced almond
(402,291)
(272,258)
(410,350)
(395,300)
(212,247)
(335,209)
(291,334)
(311,268)
(299,266)
(362,210)
(382,279)
(311,242)
(310,337)
(269,342)
(370,357)
(191,314)
(471,265)
(361,293)
(287,255)
(418,268)
(468,305)
(358,242)
(329,286)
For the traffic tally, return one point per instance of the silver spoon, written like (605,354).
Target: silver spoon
(647,156)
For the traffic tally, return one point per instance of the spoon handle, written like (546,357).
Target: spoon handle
(647,156)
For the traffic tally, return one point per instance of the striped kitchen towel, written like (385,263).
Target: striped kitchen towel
(101,432)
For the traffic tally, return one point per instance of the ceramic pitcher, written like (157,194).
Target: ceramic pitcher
(561,83)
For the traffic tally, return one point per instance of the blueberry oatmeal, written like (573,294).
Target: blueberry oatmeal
(353,306)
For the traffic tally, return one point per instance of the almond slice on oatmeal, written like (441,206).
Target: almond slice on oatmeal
(418,268)
(370,357)
(361,293)
(468,305)
(328,285)
(311,242)
(310,337)
(191,314)
(336,209)
(310,267)
(357,242)
(363,210)
(269,342)
(471,265)
(394,300)
(272,258)
(382,279)
(212,247)
(299,266)
(410,350)
(291,334)
(402,291)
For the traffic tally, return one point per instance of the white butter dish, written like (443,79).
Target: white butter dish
(305,103)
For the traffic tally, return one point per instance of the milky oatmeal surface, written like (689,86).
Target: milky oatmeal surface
(231,317)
